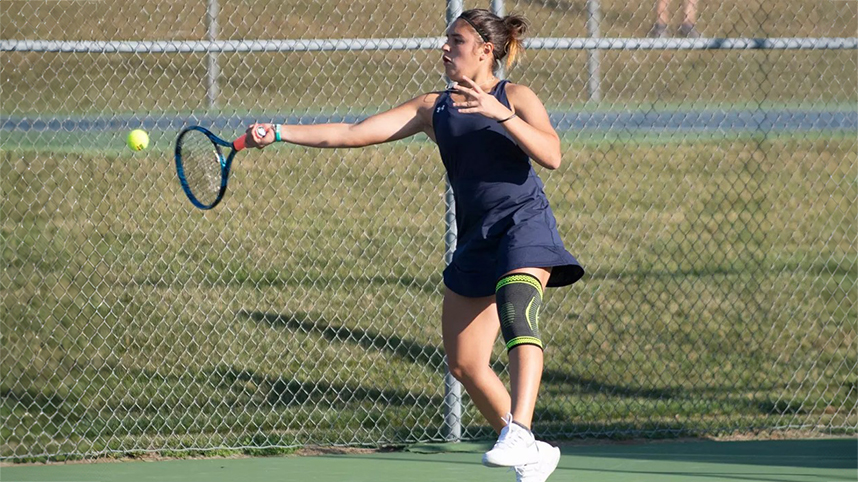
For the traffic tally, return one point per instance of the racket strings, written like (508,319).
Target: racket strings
(201,161)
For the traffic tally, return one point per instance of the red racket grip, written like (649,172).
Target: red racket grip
(240,143)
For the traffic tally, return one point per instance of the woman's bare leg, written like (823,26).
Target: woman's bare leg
(470,328)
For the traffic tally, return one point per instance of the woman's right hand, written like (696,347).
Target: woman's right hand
(254,139)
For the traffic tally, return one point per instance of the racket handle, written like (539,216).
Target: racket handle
(240,143)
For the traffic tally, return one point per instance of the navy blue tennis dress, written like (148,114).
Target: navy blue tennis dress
(502,215)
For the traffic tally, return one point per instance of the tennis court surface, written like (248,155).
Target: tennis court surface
(817,460)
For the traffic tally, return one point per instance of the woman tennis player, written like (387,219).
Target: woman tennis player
(508,249)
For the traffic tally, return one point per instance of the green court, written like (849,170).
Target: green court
(817,460)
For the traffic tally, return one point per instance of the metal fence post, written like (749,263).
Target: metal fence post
(593,21)
(452,428)
(213,69)
(498,9)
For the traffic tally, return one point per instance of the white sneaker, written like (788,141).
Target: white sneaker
(515,446)
(549,456)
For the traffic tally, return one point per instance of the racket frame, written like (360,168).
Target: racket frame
(225,163)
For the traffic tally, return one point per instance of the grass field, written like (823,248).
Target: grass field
(280,84)
(720,293)
(718,296)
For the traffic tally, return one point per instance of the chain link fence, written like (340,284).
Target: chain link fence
(708,186)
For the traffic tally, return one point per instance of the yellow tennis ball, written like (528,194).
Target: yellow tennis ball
(138,140)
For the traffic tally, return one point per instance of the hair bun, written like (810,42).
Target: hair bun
(516,26)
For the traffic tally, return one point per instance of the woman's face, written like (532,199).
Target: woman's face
(462,51)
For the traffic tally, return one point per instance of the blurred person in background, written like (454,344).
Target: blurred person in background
(688,27)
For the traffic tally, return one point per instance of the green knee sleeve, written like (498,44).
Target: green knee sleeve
(519,297)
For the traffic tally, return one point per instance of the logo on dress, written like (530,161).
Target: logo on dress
(440,108)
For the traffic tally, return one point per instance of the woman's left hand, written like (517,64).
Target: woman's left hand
(477,101)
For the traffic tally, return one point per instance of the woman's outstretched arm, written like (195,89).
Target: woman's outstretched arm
(402,121)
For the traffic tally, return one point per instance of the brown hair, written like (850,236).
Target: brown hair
(505,33)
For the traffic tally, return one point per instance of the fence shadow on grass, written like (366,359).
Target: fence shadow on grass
(698,396)
(433,357)
(289,392)
(408,350)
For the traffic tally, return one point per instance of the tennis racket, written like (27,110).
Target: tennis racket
(202,168)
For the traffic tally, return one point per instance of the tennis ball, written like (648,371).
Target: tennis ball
(138,140)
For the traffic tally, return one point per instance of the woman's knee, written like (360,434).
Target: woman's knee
(466,370)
